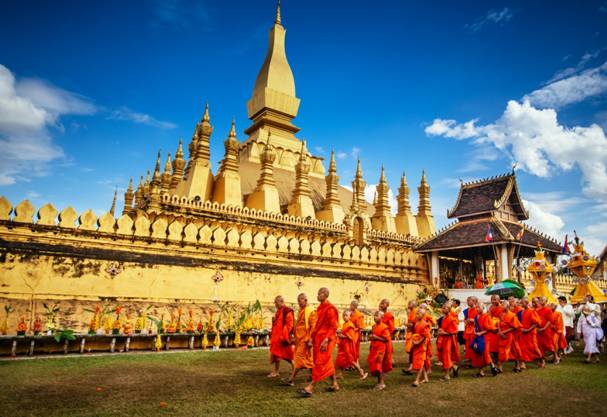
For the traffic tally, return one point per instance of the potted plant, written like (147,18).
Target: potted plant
(21,327)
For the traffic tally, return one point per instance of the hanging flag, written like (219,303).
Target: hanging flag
(519,235)
(489,235)
(565,249)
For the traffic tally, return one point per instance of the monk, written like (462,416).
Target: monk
(280,338)
(530,321)
(508,344)
(379,359)
(420,335)
(346,347)
(447,348)
(545,334)
(306,319)
(495,311)
(388,320)
(358,319)
(478,348)
(322,342)
(514,306)
(559,331)
(430,320)
(411,318)
(469,320)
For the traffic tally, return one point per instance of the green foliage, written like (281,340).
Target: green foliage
(159,324)
(65,334)
(8,309)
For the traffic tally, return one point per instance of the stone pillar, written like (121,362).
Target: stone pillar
(434,269)
(504,265)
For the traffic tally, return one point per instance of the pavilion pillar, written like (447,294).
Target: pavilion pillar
(504,264)
(434,269)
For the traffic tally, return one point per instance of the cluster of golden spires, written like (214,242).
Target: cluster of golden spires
(271,144)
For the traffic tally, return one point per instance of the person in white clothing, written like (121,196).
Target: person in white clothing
(594,308)
(568,314)
(589,327)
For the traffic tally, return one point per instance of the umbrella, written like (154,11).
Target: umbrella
(506,289)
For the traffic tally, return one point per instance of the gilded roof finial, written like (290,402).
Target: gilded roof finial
(113,208)
(332,166)
(205,116)
(179,153)
(382,176)
(277,18)
(232,133)
(128,198)
(359,171)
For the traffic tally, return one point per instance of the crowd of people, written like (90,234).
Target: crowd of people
(519,331)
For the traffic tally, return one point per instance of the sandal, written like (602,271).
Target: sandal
(415,384)
(304,394)
(479,375)
(362,378)
(455,371)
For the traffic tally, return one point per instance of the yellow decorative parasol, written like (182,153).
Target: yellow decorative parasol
(540,269)
(583,265)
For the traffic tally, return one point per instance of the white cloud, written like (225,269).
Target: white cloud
(539,144)
(547,222)
(355,152)
(319,149)
(570,87)
(371,190)
(495,16)
(595,238)
(125,113)
(341,155)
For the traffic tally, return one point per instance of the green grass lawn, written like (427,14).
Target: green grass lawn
(233,383)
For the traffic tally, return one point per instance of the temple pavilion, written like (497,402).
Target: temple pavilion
(488,236)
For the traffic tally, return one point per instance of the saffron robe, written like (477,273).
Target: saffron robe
(388,320)
(306,319)
(508,346)
(428,319)
(485,324)
(470,313)
(545,338)
(446,345)
(327,321)
(411,318)
(559,336)
(358,319)
(492,338)
(380,359)
(419,351)
(530,350)
(280,338)
(346,347)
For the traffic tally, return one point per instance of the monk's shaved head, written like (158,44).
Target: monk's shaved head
(354,304)
(412,303)
(384,304)
(347,314)
(302,296)
(302,300)
(323,294)
(279,301)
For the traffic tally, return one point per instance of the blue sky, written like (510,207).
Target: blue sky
(90,92)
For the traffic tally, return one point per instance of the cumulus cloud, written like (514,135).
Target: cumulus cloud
(125,113)
(547,222)
(571,89)
(539,143)
(180,14)
(495,16)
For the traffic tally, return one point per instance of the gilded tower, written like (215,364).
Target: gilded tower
(424,218)
(382,218)
(405,220)
(332,210)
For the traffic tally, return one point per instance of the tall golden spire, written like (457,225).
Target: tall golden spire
(139,193)
(128,198)
(406,223)
(359,186)
(404,206)
(156,176)
(265,196)
(146,184)
(203,151)
(331,207)
(113,208)
(277,18)
(198,183)
(301,204)
(424,196)
(227,189)
(178,165)
(382,218)
(166,175)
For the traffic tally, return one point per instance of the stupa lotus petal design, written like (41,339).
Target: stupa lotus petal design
(583,265)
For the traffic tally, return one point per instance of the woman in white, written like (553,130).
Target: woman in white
(589,327)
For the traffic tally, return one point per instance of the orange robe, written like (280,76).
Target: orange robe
(545,338)
(419,351)
(559,338)
(280,338)
(388,320)
(530,350)
(306,319)
(411,318)
(508,345)
(471,313)
(380,359)
(327,321)
(486,324)
(358,319)
(492,338)
(430,321)
(346,347)
(446,345)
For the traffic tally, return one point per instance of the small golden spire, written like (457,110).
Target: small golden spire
(128,198)
(146,184)
(178,165)
(232,133)
(277,18)
(167,165)
(382,176)
(179,153)
(113,208)
(156,175)
(359,171)
(205,116)
(332,166)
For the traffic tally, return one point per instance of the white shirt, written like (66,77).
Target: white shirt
(568,314)
(461,326)
(595,308)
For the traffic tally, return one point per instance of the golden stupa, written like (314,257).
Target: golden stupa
(540,269)
(583,265)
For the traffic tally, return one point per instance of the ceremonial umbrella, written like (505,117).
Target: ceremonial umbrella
(506,289)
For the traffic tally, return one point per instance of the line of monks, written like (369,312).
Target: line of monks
(512,330)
